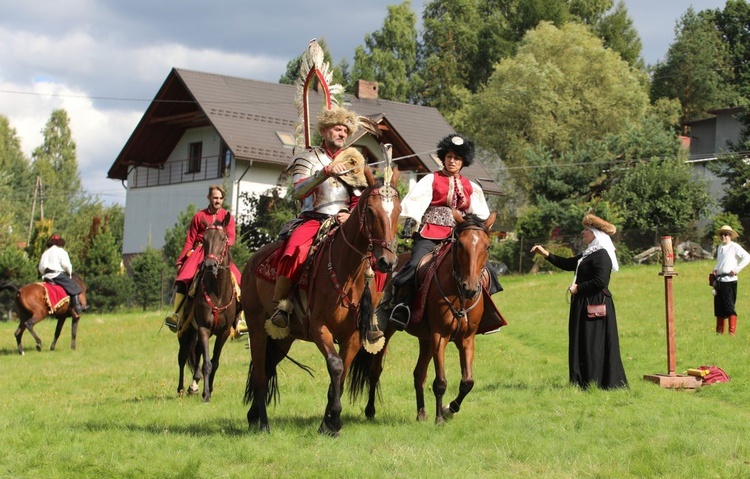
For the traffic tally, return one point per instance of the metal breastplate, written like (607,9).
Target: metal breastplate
(328,195)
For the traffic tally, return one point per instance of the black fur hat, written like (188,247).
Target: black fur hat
(459,145)
(55,240)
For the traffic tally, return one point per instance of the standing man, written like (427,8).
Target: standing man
(730,259)
(192,253)
(55,267)
(324,193)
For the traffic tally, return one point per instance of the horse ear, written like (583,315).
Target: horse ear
(205,223)
(394,178)
(226,219)
(369,176)
(490,220)
(457,216)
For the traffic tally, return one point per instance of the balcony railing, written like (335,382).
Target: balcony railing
(174,172)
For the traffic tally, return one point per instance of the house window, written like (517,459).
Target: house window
(194,157)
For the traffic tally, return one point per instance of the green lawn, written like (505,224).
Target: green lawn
(110,408)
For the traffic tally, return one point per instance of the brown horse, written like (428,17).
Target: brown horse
(32,307)
(453,311)
(211,312)
(340,309)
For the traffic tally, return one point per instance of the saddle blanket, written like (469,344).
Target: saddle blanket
(55,296)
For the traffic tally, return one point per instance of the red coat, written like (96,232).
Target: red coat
(192,253)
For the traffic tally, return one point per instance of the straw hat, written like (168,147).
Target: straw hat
(728,229)
(592,221)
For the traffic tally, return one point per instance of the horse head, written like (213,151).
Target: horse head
(216,246)
(378,209)
(470,251)
(82,297)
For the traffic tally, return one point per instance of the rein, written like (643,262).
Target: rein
(216,310)
(458,314)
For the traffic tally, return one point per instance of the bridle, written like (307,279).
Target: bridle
(461,313)
(386,192)
(215,267)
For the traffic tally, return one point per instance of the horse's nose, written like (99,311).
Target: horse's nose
(385,265)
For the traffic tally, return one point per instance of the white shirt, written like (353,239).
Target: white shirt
(416,202)
(730,257)
(57,261)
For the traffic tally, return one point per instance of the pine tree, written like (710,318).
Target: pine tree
(147,277)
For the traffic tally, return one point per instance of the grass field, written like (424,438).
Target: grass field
(110,408)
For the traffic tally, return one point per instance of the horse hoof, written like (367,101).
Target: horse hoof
(52,348)
(39,347)
(192,390)
(325,430)
(421,416)
(439,421)
(447,413)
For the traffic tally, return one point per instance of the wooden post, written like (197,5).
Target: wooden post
(671,379)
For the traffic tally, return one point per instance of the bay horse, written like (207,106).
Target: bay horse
(340,300)
(211,312)
(452,312)
(32,307)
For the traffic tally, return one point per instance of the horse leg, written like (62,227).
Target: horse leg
(30,327)
(331,424)
(218,346)
(58,330)
(440,384)
(19,335)
(204,335)
(466,354)
(420,376)
(74,332)
(376,369)
(182,357)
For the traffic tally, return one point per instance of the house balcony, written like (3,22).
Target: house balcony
(180,171)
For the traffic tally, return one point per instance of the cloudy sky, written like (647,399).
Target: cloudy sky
(104,60)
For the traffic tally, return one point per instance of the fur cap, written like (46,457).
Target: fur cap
(55,240)
(459,145)
(338,115)
(592,221)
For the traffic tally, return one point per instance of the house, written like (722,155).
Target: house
(204,128)
(710,138)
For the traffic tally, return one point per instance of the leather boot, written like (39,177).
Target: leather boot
(732,324)
(719,325)
(173,319)
(278,325)
(76,304)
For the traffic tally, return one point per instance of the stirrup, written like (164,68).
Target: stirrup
(398,323)
(171,322)
(277,326)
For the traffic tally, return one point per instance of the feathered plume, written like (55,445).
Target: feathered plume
(312,66)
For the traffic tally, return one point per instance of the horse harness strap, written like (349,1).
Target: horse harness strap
(215,310)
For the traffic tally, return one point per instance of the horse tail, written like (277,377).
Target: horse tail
(359,373)
(274,355)
(11,286)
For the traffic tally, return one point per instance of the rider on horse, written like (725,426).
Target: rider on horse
(429,205)
(192,254)
(323,185)
(55,267)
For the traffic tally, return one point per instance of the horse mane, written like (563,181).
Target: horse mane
(470,221)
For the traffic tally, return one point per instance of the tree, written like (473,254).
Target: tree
(390,56)
(733,24)
(617,31)
(697,69)
(147,277)
(734,169)
(16,185)
(56,163)
(660,196)
(562,89)
(102,257)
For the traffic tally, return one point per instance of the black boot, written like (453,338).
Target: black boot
(76,304)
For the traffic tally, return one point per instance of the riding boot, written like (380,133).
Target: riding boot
(278,325)
(173,319)
(719,325)
(401,313)
(732,324)
(76,304)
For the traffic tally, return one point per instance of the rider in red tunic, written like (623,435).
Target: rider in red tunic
(191,256)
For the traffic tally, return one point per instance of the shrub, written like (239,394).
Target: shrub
(110,292)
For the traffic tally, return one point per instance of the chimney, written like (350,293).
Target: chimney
(367,90)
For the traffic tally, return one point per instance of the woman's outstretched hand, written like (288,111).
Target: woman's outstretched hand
(537,248)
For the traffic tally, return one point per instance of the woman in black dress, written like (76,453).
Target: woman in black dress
(594,349)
